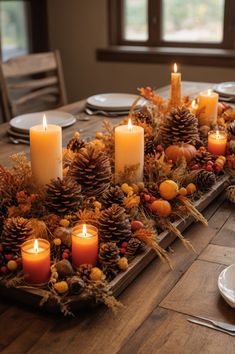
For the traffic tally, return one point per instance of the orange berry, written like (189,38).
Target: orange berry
(183,191)
(191,188)
(161,207)
(168,189)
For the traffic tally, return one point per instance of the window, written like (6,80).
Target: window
(167,28)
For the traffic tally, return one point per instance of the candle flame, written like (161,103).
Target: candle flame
(209,92)
(217,134)
(44,122)
(194,104)
(35,246)
(129,124)
(175,68)
(84,230)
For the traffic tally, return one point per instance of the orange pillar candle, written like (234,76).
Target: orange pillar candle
(208,105)
(46,152)
(175,88)
(84,245)
(36,260)
(129,151)
(217,141)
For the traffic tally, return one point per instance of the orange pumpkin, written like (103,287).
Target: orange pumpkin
(177,151)
(161,207)
(168,189)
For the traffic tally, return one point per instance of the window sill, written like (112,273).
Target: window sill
(187,56)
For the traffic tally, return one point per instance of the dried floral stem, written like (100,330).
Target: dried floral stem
(192,210)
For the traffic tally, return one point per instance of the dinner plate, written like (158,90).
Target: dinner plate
(114,101)
(24,122)
(226,284)
(226,89)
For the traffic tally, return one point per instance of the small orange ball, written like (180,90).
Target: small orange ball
(161,207)
(191,188)
(168,189)
(183,191)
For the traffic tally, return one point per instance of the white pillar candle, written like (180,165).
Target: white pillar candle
(208,105)
(46,152)
(175,88)
(129,151)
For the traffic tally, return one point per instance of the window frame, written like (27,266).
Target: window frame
(157,50)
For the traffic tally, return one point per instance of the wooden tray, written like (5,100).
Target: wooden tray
(32,296)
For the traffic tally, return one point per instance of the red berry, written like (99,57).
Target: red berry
(3,269)
(65,255)
(210,163)
(147,197)
(67,250)
(124,244)
(8,257)
(122,250)
(209,168)
(159,148)
(152,198)
(195,167)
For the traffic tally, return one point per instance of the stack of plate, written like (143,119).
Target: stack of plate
(119,103)
(226,91)
(20,125)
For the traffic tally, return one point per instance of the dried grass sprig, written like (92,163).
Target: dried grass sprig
(192,210)
(148,236)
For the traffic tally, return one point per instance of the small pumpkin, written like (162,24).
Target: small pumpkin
(168,189)
(177,151)
(161,207)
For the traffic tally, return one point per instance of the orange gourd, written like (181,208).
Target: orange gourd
(177,151)
(168,189)
(161,207)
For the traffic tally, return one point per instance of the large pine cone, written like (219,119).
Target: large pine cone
(15,232)
(144,116)
(205,179)
(113,195)
(114,225)
(230,193)
(134,246)
(203,157)
(63,196)
(180,125)
(75,144)
(91,168)
(150,147)
(108,259)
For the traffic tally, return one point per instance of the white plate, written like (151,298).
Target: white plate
(226,284)
(114,101)
(24,122)
(226,89)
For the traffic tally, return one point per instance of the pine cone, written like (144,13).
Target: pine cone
(114,225)
(144,116)
(134,246)
(63,196)
(108,259)
(153,188)
(92,170)
(113,195)
(231,128)
(205,179)
(203,157)
(75,144)
(180,125)
(150,147)
(84,271)
(230,193)
(15,232)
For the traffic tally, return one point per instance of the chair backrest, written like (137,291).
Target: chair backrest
(31,83)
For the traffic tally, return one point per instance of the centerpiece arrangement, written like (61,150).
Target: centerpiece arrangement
(73,221)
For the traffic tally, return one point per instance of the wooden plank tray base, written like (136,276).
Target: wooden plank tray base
(33,296)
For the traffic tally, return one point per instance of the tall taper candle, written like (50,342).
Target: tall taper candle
(129,151)
(175,88)
(46,152)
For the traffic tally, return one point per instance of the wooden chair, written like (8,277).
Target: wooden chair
(32,83)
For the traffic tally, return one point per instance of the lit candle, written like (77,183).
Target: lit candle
(208,104)
(84,245)
(46,152)
(175,88)
(36,260)
(217,141)
(129,151)
(194,107)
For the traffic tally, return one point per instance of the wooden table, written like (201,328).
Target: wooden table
(157,303)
